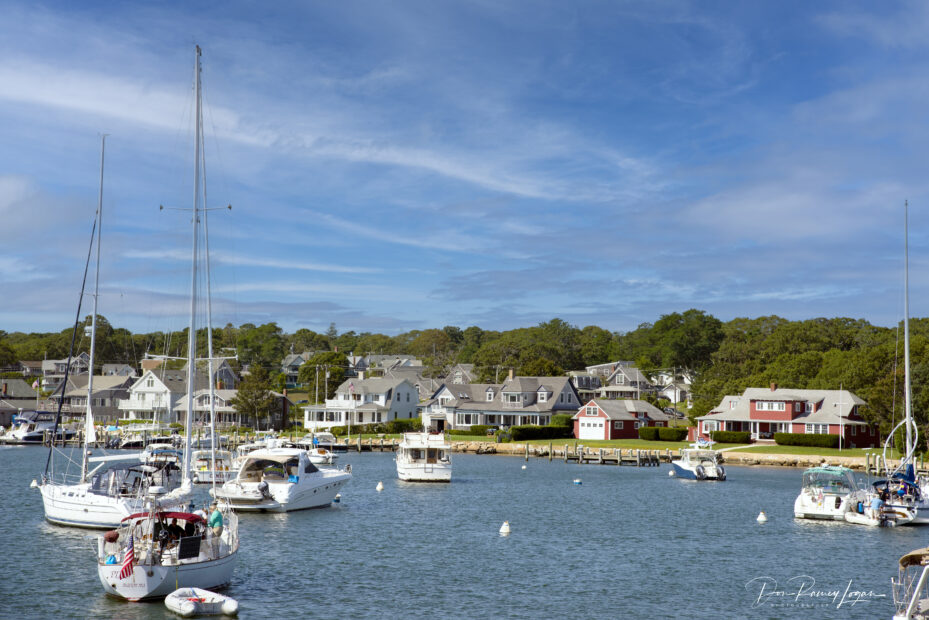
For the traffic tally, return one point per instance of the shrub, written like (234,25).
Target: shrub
(672,434)
(461,433)
(649,433)
(731,436)
(176,425)
(533,431)
(479,429)
(403,425)
(563,419)
(338,431)
(819,440)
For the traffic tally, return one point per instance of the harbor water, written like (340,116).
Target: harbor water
(626,542)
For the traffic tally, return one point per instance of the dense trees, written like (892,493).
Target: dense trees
(724,358)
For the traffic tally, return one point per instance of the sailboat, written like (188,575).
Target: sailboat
(903,487)
(104,496)
(140,560)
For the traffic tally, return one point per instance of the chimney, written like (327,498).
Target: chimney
(773,386)
(511,374)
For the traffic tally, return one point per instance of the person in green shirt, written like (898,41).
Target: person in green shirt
(216,520)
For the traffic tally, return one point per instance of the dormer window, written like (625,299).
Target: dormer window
(490,395)
(543,396)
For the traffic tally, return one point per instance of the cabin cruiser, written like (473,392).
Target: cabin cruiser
(318,454)
(325,439)
(142,559)
(699,464)
(281,480)
(911,587)
(202,470)
(32,427)
(825,493)
(424,457)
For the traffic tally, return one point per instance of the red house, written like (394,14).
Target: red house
(765,411)
(616,419)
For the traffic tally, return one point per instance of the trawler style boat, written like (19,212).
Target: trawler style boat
(35,427)
(141,560)
(424,457)
(698,464)
(281,480)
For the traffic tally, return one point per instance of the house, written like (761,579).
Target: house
(425,386)
(517,401)
(53,371)
(222,406)
(607,369)
(364,401)
(626,381)
(224,377)
(156,395)
(291,366)
(108,390)
(30,369)
(667,377)
(586,383)
(675,392)
(15,396)
(120,370)
(765,411)
(460,373)
(616,419)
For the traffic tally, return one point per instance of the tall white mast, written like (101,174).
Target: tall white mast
(90,435)
(908,396)
(192,334)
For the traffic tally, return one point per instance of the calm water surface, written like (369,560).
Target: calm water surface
(626,543)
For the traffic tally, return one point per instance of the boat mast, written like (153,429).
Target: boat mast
(908,395)
(90,435)
(192,333)
(214,437)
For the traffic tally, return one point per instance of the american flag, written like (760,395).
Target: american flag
(128,560)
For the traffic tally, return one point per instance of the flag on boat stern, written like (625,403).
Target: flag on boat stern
(128,560)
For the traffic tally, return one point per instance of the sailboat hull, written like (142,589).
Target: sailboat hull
(158,581)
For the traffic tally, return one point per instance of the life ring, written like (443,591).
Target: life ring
(701,473)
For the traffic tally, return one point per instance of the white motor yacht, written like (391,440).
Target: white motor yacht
(825,493)
(281,480)
(424,457)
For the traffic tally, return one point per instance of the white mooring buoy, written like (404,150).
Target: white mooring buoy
(505,529)
(762,517)
(671,473)
(524,467)
(380,486)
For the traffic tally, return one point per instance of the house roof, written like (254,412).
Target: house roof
(473,396)
(17,388)
(626,409)
(372,385)
(77,386)
(834,406)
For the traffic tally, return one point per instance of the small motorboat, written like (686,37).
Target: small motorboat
(861,512)
(699,464)
(189,602)
(321,456)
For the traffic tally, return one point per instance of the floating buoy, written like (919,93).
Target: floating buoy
(337,498)
(762,517)
(380,486)
(505,529)
(33,484)
(577,481)
(524,467)
(671,473)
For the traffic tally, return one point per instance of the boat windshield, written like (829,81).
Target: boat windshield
(272,469)
(838,480)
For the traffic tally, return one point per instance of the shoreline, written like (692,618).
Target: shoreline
(734,457)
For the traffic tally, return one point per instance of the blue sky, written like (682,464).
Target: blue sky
(407,165)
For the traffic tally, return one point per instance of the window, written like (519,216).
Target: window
(490,395)
(638,424)
(591,411)
(798,407)
(852,430)
(407,397)
(707,426)
(150,382)
(821,429)
(543,397)
(618,425)
(808,407)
